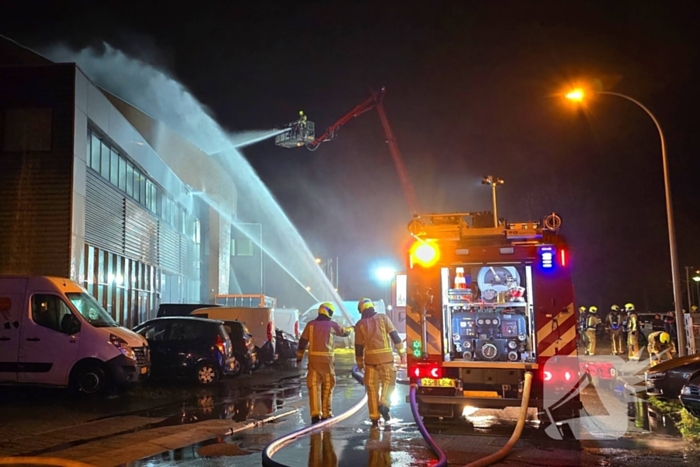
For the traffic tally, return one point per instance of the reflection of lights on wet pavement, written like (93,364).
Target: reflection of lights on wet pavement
(468,410)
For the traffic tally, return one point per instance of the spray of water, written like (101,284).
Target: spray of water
(168,101)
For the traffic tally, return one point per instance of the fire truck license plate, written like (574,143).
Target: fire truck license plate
(437,383)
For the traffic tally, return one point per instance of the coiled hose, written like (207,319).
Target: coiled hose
(279,443)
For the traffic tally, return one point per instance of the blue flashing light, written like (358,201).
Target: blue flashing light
(547,257)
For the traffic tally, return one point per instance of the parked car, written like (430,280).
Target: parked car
(690,396)
(180,309)
(259,320)
(287,345)
(666,379)
(52,332)
(187,347)
(243,347)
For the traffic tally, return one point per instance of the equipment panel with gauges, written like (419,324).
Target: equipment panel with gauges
(489,336)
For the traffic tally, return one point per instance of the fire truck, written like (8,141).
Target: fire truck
(484,305)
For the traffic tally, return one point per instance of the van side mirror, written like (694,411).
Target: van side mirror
(70,324)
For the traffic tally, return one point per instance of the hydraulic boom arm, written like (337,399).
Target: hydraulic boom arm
(299,135)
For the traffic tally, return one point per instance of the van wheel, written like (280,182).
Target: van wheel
(206,374)
(89,379)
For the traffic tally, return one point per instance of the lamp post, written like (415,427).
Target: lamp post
(494,182)
(579,95)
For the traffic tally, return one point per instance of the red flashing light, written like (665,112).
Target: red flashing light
(547,376)
(562,256)
(567,376)
(220,345)
(430,370)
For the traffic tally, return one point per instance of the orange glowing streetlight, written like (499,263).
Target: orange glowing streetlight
(578,95)
(575,95)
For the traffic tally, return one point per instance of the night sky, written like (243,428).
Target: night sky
(473,88)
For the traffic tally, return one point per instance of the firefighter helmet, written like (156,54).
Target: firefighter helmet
(629,307)
(615,308)
(326,309)
(364,304)
(664,338)
(582,309)
(593,309)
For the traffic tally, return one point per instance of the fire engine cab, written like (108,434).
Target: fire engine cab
(486,304)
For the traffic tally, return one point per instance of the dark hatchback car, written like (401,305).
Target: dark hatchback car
(666,379)
(690,396)
(243,347)
(287,345)
(191,348)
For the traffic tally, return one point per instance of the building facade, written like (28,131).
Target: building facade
(95,190)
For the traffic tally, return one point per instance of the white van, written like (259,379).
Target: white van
(260,322)
(287,319)
(52,332)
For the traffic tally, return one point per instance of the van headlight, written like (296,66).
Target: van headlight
(123,346)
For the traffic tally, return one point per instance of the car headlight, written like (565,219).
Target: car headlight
(123,346)
(686,391)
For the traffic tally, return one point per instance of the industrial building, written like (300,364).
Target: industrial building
(95,190)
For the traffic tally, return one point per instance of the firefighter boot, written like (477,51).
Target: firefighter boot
(384,411)
(590,334)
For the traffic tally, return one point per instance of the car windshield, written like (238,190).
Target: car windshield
(91,310)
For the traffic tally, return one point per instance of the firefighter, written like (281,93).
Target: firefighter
(660,347)
(582,326)
(592,322)
(374,334)
(613,322)
(318,336)
(632,332)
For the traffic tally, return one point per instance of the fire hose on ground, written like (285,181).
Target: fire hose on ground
(279,443)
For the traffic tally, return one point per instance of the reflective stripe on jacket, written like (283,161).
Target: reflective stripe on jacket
(318,337)
(372,334)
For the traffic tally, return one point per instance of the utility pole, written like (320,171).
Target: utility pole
(494,182)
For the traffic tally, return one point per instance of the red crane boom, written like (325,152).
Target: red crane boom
(301,133)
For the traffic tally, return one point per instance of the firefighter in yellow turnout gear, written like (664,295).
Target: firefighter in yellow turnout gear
(592,321)
(374,335)
(660,347)
(614,324)
(632,332)
(320,379)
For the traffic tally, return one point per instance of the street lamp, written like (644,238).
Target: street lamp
(385,275)
(578,95)
(494,182)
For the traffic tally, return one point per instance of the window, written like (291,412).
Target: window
(129,179)
(245,247)
(155,332)
(122,174)
(149,194)
(27,129)
(142,188)
(51,312)
(95,150)
(114,168)
(104,160)
(91,310)
(186,331)
(233,247)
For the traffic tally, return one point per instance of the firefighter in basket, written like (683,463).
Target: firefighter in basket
(592,322)
(613,322)
(632,332)
(374,335)
(320,379)
(660,347)
(582,326)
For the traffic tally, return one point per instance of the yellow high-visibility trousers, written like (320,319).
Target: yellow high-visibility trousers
(616,340)
(632,345)
(321,451)
(591,337)
(380,381)
(320,380)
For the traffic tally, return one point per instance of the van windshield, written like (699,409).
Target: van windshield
(91,310)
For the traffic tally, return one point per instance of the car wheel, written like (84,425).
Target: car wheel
(237,369)
(90,379)
(206,374)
